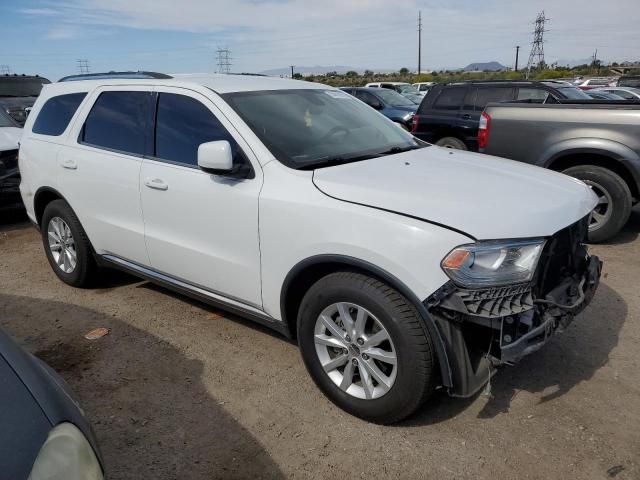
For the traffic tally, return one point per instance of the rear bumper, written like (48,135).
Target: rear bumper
(484,329)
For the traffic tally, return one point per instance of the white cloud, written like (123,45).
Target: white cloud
(62,32)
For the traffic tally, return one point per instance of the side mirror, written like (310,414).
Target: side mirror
(215,157)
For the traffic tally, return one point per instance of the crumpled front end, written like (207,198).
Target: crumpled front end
(485,328)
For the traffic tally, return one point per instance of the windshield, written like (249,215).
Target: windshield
(315,128)
(5,120)
(393,98)
(21,87)
(573,93)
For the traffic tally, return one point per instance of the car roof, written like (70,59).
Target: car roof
(220,83)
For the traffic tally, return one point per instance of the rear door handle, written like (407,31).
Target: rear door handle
(156,183)
(466,116)
(69,164)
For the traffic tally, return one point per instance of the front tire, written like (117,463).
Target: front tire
(614,200)
(67,246)
(366,347)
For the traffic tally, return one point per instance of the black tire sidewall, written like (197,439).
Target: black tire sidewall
(453,142)
(620,195)
(84,255)
(405,389)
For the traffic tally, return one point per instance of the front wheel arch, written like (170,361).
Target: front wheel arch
(308,271)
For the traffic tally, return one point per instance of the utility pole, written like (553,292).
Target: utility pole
(83,66)
(5,70)
(224,60)
(536,57)
(517,54)
(292,70)
(419,42)
(594,61)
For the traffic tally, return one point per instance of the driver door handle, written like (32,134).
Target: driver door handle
(156,183)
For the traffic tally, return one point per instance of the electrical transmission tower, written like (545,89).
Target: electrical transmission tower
(83,66)
(536,57)
(224,60)
(5,70)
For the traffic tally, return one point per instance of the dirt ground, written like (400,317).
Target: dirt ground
(177,391)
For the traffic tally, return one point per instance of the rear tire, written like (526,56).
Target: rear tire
(614,207)
(404,385)
(67,246)
(452,142)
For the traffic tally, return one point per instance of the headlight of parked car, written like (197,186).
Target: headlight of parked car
(492,264)
(66,455)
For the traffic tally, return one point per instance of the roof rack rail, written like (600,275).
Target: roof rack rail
(108,75)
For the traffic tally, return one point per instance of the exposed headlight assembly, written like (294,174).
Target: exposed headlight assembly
(494,263)
(66,455)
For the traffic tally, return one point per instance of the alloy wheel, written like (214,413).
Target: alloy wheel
(602,212)
(355,350)
(62,245)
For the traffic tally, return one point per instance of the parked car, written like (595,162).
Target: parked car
(626,93)
(589,83)
(598,94)
(414,97)
(450,113)
(18,92)
(44,433)
(10,134)
(598,144)
(629,81)
(397,265)
(423,87)
(391,104)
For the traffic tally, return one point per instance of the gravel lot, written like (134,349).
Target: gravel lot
(179,390)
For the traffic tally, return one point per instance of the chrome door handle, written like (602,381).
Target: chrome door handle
(156,183)
(69,164)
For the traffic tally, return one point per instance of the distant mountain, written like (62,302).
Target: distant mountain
(482,66)
(317,70)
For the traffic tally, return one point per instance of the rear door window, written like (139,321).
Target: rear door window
(367,98)
(450,98)
(56,113)
(492,95)
(182,125)
(532,95)
(118,121)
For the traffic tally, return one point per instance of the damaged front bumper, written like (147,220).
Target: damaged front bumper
(485,328)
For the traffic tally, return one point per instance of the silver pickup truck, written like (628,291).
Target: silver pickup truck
(596,143)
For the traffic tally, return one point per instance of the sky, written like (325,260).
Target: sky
(48,37)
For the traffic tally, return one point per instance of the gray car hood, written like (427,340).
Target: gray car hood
(482,196)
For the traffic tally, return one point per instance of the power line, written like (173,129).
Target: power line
(224,60)
(536,57)
(83,66)
(5,70)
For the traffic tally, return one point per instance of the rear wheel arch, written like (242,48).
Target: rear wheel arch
(597,159)
(307,272)
(43,197)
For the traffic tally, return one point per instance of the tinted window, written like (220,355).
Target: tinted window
(182,124)
(492,94)
(533,95)
(117,121)
(450,99)
(367,98)
(6,120)
(56,114)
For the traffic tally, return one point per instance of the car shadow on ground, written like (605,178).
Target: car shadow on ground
(153,416)
(13,219)
(569,359)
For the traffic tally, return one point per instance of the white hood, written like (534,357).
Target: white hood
(9,138)
(485,197)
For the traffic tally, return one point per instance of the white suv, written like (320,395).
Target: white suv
(398,266)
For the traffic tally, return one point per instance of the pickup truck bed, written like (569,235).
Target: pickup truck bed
(597,143)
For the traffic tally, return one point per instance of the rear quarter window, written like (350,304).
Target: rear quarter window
(56,113)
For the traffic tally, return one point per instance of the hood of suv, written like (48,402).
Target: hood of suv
(9,138)
(482,196)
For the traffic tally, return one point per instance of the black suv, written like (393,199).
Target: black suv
(449,114)
(18,92)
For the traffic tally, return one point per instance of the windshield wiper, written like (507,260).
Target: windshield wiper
(394,150)
(339,160)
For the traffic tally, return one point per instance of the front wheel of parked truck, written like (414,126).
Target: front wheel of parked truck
(366,347)
(614,200)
